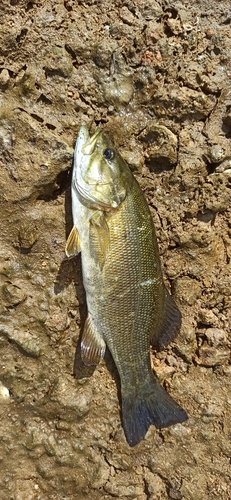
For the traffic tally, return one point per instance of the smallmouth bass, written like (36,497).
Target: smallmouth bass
(128,304)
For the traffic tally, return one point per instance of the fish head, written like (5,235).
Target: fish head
(101,177)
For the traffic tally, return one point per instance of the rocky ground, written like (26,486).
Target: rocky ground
(157,75)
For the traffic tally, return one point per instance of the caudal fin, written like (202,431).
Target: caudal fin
(151,407)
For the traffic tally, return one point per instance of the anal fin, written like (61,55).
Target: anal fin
(73,246)
(169,324)
(92,344)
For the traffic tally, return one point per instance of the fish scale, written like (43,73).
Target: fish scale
(124,262)
(128,304)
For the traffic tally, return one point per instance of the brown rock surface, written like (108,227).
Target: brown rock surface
(156,74)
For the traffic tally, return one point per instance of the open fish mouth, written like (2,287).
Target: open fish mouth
(86,158)
(85,145)
(89,147)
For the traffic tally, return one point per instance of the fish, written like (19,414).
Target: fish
(128,304)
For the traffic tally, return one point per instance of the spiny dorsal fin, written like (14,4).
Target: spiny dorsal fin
(99,238)
(169,324)
(92,344)
(73,246)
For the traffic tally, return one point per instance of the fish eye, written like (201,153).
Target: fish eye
(108,154)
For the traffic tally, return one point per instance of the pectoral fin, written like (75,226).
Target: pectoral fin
(99,238)
(92,344)
(169,324)
(73,246)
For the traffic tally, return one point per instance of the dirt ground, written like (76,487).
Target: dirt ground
(157,75)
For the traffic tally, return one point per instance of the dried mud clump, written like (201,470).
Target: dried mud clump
(156,74)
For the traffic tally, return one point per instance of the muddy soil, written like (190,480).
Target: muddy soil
(157,75)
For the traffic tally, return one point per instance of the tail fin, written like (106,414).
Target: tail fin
(152,407)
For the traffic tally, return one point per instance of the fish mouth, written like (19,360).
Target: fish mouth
(89,147)
(85,145)
(81,140)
